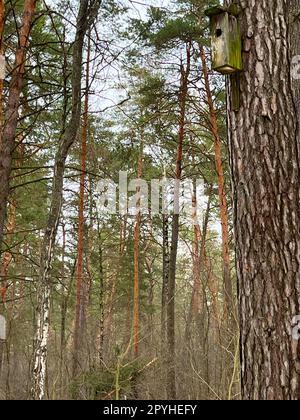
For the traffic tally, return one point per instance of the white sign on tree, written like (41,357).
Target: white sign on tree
(2,328)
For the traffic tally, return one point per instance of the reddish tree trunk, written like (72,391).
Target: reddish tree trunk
(221,188)
(2,19)
(7,140)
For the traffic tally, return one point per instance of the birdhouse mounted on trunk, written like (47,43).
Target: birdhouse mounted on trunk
(226,44)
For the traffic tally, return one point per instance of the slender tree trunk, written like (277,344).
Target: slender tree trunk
(81,297)
(228,292)
(7,256)
(227,282)
(101,308)
(85,19)
(197,296)
(113,289)
(149,263)
(136,292)
(2,62)
(7,140)
(165,282)
(5,263)
(64,308)
(196,306)
(171,376)
(164,299)
(264,143)
(210,280)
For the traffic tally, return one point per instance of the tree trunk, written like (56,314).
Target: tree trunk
(165,282)
(2,58)
(136,293)
(5,263)
(81,297)
(171,376)
(264,144)
(228,292)
(85,19)
(197,300)
(7,140)
(63,320)
(101,308)
(197,295)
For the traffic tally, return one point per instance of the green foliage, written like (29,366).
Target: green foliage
(176,30)
(99,384)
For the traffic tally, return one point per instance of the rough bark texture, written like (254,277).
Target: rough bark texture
(264,144)
(7,139)
(86,16)
(171,376)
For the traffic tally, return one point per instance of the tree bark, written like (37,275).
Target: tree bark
(86,17)
(2,22)
(264,146)
(171,374)
(81,297)
(7,138)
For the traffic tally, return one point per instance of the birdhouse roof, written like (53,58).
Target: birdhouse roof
(216,10)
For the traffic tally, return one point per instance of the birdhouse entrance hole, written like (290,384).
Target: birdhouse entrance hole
(219,33)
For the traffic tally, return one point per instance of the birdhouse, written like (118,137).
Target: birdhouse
(2,328)
(226,44)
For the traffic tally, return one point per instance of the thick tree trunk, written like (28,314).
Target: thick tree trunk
(7,138)
(85,19)
(81,297)
(171,376)
(264,143)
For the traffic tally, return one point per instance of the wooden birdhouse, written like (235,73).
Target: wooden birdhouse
(2,328)
(226,44)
